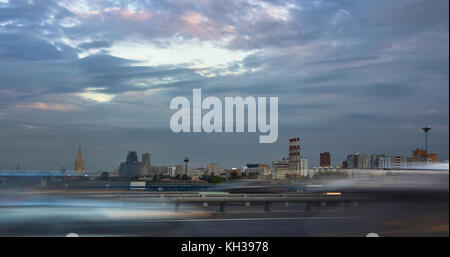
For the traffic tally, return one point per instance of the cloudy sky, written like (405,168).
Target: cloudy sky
(351,76)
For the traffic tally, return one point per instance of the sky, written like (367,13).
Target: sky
(350,76)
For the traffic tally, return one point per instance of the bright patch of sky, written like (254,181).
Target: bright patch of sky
(193,53)
(92,95)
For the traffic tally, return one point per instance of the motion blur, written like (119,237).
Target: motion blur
(390,203)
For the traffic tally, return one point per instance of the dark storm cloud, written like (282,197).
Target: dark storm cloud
(346,73)
(21,46)
(112,74)
(31,14)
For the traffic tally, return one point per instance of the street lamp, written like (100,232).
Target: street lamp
(426,129)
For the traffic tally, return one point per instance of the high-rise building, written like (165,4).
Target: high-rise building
(146,168)
(384,162)
(171,170)
(132,167)
(132,157)
(325,159)
(357,161)
(375,159)
(398,162)
(294,154)
(79,162)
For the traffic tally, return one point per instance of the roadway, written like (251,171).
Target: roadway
(56,215)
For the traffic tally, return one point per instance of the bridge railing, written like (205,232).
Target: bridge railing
(247,200)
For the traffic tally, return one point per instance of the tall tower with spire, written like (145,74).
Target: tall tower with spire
(79,162)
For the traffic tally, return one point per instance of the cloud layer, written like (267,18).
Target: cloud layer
(350,76)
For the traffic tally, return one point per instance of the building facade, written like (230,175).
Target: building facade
(196,172)
(294,154)
(213,168)
(375,160)
(420,155)
(180,169)
(357,161)
(159,170)
(325,159)
(280,168)
(381,161)
(171,171)
(131,167)
(257,169)
(304,170)
(398,162)
(384,162)
(146,167)
(344,165)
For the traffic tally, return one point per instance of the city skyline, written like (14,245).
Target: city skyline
(145,161)
(351,76)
